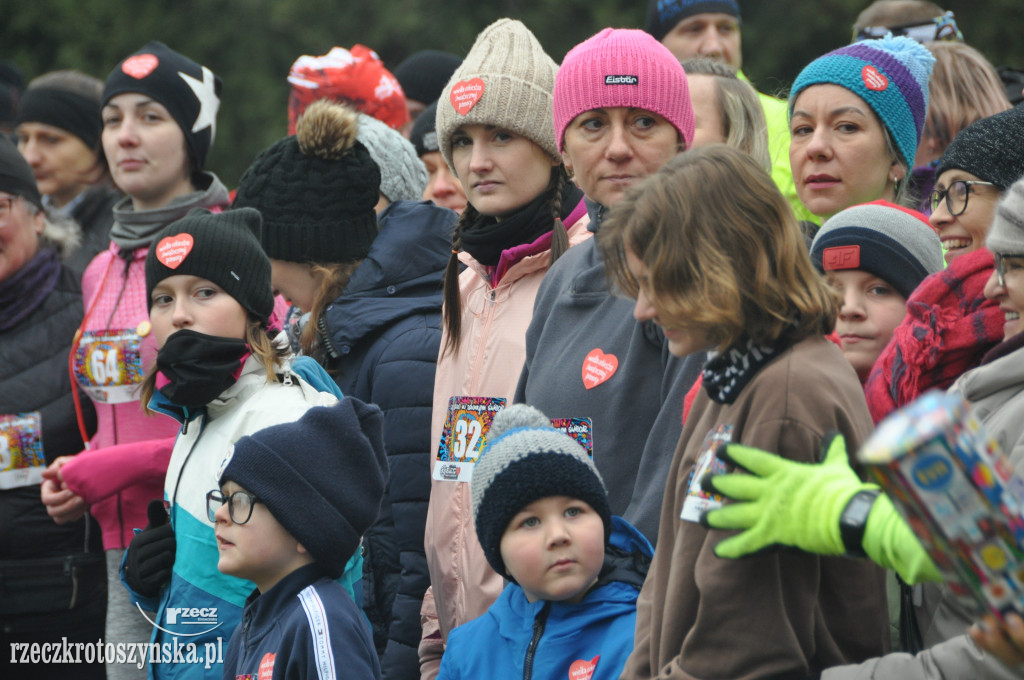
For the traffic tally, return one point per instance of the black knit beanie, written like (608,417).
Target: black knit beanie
(190,92)
(16,176)
(424,131)
(424,74)
(315,189)
(60,107)
(526,459)
(989,149)
(322,477)
(219,247)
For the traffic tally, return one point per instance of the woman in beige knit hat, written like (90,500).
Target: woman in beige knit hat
(495,131)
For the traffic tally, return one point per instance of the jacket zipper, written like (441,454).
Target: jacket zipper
(538,631)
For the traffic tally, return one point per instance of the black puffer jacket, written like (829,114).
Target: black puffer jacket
(383,335)
(34,379)
(95,215)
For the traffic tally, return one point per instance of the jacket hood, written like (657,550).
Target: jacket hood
(403,273)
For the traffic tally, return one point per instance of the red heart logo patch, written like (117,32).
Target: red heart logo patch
(873,80)
(583,670)
(598,367)
(465,94)
(173,250)
(140,66)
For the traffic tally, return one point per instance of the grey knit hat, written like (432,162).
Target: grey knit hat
(403,177)
(894,243)
(526,459)
(1006,236)
(989,149)
(506,80)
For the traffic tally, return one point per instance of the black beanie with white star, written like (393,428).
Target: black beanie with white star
(189,91)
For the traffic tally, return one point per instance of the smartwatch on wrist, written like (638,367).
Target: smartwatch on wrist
(854,521)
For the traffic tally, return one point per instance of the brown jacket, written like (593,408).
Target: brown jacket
(699,616)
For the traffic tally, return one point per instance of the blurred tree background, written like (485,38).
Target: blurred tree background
(252,43)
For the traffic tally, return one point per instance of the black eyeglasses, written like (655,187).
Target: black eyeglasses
(1001,268)
(7,205)
(956,195)
(240,505)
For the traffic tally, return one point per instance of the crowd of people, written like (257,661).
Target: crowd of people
(494,366)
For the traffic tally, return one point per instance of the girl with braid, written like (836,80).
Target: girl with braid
(495,130)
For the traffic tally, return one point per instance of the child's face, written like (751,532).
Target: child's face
(261,550)
(681,341)
(554,548)
(870,313)
(185,301)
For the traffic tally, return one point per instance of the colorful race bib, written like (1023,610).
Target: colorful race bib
(21,450)
(108,365)
(580,429)
(464,436)
(698,501)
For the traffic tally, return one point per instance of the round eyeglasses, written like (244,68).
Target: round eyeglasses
(956,195)
(240,505)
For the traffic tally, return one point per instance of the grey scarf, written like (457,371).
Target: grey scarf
(134,229)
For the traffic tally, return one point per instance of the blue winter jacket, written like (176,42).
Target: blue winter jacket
(382,337)
(306,627)
(554,640)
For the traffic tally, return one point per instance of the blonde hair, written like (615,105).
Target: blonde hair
(722,248)
(334,276)
(739,108)
(261,344)
(964,87)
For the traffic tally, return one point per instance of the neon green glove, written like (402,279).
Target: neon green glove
(891,543)
(784,502)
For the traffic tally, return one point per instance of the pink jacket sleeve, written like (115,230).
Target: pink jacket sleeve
(96,474)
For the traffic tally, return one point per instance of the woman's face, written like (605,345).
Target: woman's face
(500,171)
(704,96)
(443,188)
(610,150)
(1010,293)
(963,233)
(145,150)
(681,341)
(61,162)
(19,234)
(296,282)
(186,301)
(838,151)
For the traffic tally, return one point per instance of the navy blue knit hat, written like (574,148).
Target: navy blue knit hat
(890,75)
(663,15)
(894,243)
(424,74)
(15,174)
(322,477)
(190,92)
(526,459)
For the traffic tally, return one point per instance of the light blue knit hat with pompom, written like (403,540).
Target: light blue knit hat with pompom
(890,74)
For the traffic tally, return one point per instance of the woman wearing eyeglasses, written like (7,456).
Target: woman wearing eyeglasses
(949,324)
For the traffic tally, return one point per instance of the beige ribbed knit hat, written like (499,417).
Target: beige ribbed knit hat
(506,80)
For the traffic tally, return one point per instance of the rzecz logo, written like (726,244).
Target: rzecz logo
(187,616)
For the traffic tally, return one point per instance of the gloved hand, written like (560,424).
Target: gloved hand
(783,502)
(147,566)
(891,543)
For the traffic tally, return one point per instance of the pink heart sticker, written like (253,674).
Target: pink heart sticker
(140,65)
(465,94)
(583,670)
(873,80)
(598,367)
(173,250)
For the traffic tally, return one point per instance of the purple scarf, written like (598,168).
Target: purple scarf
(21,294)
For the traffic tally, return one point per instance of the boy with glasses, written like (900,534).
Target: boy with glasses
(293,504)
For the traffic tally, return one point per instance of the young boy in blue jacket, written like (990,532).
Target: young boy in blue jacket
(542,517)
(293,502)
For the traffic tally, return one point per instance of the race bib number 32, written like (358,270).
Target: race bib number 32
(464,436)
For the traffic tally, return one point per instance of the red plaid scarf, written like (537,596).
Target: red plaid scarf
(948,328)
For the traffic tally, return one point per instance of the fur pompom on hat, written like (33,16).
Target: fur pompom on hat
(316,190)
(989,149)
(894,243)
(526,459)
(889,74)
(1006,236)
(190,92)
(322,477)
(622,68)
(403,177)
(219,247)
(506,81)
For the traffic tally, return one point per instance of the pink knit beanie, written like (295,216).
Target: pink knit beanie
(622,67)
